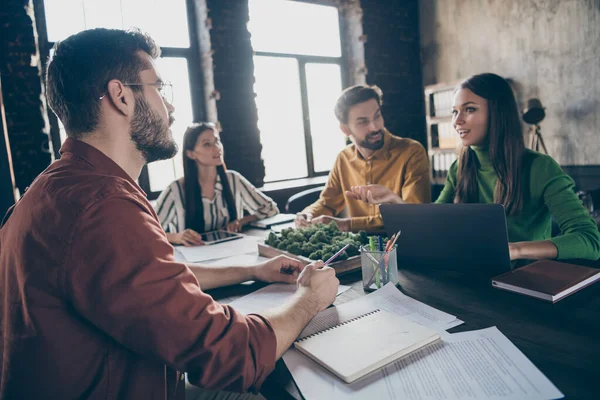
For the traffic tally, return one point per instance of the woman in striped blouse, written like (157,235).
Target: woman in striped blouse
(208,197)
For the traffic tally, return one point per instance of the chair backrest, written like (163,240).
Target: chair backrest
(301,200)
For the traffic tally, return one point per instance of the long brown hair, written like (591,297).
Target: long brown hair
(194,209)
(506,145)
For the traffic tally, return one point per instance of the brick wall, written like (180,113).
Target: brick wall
(392,55)
(233,80)
(22,92)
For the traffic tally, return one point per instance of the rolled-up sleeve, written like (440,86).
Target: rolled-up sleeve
(122,278)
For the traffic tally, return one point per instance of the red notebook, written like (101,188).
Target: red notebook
(547,280)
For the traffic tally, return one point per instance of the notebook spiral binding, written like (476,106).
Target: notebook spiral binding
(340,324)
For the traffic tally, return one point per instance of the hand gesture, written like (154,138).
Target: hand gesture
(303,220)
(319,284)
(374,194)
(188,237)
(342,223)
(279,269)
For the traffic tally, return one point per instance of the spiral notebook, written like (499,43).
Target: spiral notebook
(354,348)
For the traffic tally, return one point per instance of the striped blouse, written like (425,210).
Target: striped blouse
(171,209)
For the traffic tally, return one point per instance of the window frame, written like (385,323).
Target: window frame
(302,60)
(195,76)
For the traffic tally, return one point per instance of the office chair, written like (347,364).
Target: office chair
(300,200)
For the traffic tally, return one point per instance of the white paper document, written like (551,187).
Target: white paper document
(245,245)
(389,298)
(481,364)
(239,261)
(470,365)
(269,297)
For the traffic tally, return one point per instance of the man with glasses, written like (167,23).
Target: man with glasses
(376,160)
(93,303)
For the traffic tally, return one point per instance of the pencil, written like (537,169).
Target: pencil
(396,238)
(389,243)
(333,257)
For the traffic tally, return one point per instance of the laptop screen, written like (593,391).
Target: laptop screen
(462,237)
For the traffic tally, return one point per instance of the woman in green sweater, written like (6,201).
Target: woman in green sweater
(495,167)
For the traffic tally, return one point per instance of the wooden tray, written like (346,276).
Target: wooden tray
(341,267)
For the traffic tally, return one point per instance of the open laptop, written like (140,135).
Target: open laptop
(455,237)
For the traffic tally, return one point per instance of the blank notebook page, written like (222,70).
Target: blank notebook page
(354,348)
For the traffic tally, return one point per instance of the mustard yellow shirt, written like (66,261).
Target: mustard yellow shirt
(401,164)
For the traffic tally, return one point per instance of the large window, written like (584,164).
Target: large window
(66,17)
(297,59)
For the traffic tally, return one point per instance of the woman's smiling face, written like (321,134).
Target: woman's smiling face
(470,117)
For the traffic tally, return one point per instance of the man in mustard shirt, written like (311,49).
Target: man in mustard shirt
(375,157)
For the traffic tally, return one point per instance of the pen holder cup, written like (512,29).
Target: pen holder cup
(378,268)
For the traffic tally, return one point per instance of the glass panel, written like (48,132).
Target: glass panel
(61,24)
(294,27)
(102,14)
(324,84)
(164,20)
(175,70)
(277,88)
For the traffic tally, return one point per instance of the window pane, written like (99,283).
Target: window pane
(102,14)
(277,88)
(324,84)
(162,173)
(279,26)
(165,21)
(61,24)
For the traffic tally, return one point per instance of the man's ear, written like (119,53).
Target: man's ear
(120,97)
(345,129)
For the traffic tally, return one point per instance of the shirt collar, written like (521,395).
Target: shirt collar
(382,154)
(95,158)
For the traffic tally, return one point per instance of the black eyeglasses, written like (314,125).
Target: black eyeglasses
(165,89)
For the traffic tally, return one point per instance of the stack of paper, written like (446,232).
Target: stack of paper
(480,364)
(245,245)
(269,297)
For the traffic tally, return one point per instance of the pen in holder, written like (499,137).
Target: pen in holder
(378,267)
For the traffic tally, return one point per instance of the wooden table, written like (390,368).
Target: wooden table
(562,339)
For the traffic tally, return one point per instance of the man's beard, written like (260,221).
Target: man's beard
(372,145)
(150,134)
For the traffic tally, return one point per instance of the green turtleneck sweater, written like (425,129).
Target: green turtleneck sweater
(548,192)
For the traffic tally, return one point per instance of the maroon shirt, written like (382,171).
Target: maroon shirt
(94,305)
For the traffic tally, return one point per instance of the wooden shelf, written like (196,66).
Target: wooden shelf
(438,98)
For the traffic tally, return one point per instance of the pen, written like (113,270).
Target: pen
(333,257)
(395,238)
(389,248)
(389,243)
